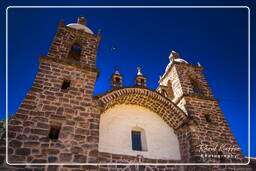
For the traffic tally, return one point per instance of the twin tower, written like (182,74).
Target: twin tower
(59,119)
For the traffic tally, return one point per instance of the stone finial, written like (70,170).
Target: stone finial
(199,64)
(99,35)
(61,23)
(99,32)
(174,55)
(117,72)
(81,20)
(139,71)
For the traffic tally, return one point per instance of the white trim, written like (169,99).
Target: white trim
(153,164)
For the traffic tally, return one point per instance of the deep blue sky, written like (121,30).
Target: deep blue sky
(217,38)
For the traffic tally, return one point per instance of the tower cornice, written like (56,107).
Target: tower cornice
(197,97)
(83,69)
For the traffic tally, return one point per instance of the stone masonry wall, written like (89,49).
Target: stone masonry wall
(47,104)
(204,135)
(63,41)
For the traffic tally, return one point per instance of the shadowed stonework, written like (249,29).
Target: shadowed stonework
(59,119)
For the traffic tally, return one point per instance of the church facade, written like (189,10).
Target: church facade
(60,120)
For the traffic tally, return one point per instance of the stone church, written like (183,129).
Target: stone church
(61,122)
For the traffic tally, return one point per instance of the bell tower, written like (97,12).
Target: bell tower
(75,44)
(186,86)
(57,120)
(116,80)
(140,79)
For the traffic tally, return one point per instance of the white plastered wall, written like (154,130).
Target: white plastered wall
(115,133)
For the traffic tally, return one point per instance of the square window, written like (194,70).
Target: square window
(54,132)
(65,84)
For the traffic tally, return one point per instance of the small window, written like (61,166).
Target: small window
(75,52)
(117,81)
(136,141)
(65,84)
(54,132)
(207,118)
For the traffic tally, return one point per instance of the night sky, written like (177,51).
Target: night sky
(217,38)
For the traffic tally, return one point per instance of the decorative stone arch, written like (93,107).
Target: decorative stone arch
(147,98)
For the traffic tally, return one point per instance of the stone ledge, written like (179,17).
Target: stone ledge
(197,97)
(84,69)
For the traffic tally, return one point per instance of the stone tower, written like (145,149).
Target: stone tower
(116,79)
(57,120)
(185,85)
(140,79)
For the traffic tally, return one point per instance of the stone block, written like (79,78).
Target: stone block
(65,157)
(15,128)
(79,158)
(22,151)
(76,150)
(39,131)
(16,158)
(15,143)
(31,144)
(53,151)
(52,159)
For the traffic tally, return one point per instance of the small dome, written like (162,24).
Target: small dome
(174,56)
(80,27)
(180,60)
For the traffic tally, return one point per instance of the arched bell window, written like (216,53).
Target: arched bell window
(116,82)
(197,90)
(75,52)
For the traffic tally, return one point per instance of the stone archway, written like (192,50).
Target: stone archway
(147,98)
